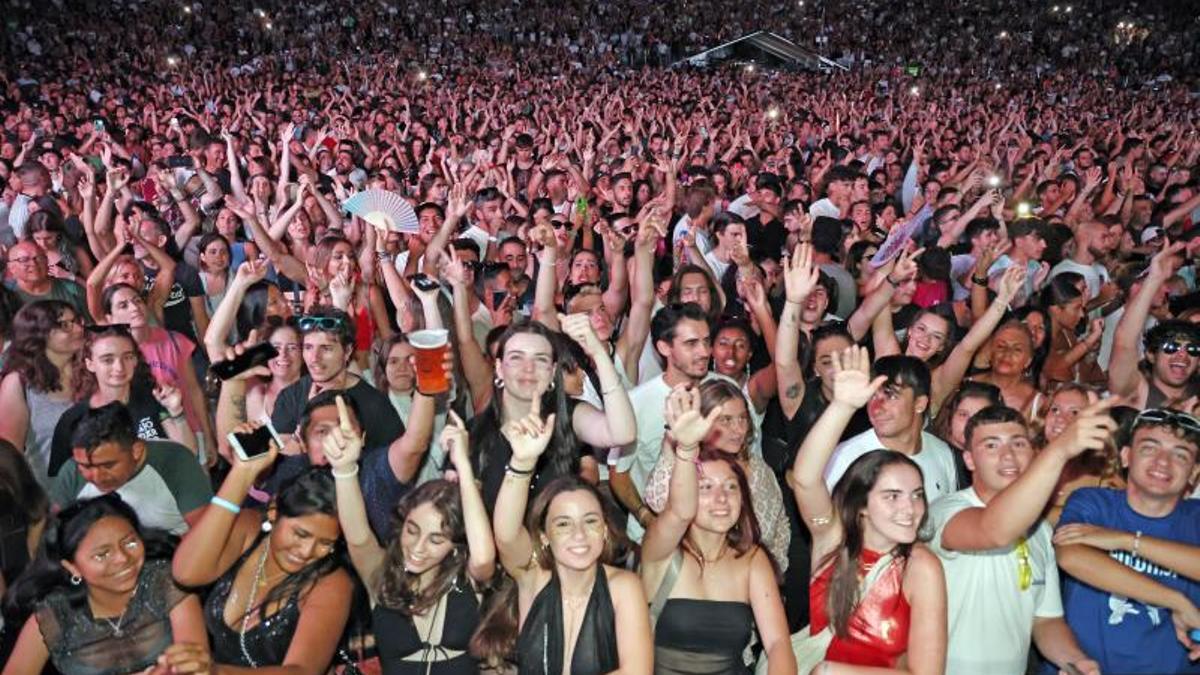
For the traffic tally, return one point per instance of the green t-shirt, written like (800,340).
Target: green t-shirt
(169,485)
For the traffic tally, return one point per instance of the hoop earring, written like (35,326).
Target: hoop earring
(550,387)
(497,382)
(76,579)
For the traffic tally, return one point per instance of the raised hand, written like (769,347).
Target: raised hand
(1090,430)
(1166,261)
(800,275)
(687,426)
(237,350)
(528,437)
(852,383)
(171,398)
(342,446)
(1011,283)
(579,328)
(456,443)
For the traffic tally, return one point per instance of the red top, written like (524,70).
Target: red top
(878,630)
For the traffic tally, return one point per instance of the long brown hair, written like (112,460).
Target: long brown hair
(397,589)
(84,381)
(27,354)
(714,394)
(745,535)
(850,497)
(497,634)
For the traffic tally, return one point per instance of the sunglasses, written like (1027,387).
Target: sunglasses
(1171,346)
(558,224)
(322,323)
(1180,420)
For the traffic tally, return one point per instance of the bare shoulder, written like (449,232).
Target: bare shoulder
(924,568)
(623,581)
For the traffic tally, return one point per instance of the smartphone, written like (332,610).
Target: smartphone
(98,125)
(425,283)
(256,443)
(498,298)
(298,134)
(149,190)
(581,206)
(258,355)
(179,162)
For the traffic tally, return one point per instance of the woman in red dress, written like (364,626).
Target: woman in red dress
(878,596)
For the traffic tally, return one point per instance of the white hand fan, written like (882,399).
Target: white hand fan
(383,209)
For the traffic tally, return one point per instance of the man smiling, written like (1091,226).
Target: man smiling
(1001,576)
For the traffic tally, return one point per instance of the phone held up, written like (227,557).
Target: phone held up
(256,443)
(255,356)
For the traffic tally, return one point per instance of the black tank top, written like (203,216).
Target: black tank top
(541,642)
(702,637)
(396,638)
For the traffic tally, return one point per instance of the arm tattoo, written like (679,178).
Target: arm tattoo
(792,391)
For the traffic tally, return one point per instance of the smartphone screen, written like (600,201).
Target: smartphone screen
(498,298)
(257,355)
(253,444)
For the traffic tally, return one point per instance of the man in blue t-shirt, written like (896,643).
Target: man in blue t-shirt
(1132,558)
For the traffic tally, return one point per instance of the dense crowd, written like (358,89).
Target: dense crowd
(747,369)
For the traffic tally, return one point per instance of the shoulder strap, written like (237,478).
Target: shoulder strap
(664,588)
(877,571)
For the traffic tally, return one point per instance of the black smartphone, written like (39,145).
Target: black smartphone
(423,282)
(179,162)
(498,298)
(257,355)
(256,443)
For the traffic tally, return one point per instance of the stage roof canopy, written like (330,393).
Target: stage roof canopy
(766,48)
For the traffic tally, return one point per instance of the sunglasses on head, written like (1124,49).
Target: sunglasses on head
(323,323)
(1167,416)
(1172,346)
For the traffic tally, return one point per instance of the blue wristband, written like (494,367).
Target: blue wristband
(226,504)
(1195,634)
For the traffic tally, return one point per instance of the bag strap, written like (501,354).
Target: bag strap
(664,588)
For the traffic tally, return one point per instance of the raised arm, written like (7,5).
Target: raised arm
(615,425)
(947,376)
(641,284)
(1123,375)
(800,277)
(217,540)
(544,309)
(1016,508)
(528,438)
(477,368)
(224,319)
(887,278)
(852,388)
(687,428)
(481,558)
(343,448)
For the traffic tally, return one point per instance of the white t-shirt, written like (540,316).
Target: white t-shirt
(744,207)
(717,265)
(935,459)
(649,401)
(1095,274)
(824,207)
(990,619)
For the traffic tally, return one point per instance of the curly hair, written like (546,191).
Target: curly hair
(27,354)
(397,588)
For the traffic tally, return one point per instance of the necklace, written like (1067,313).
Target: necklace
(115,626)
(258,575)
